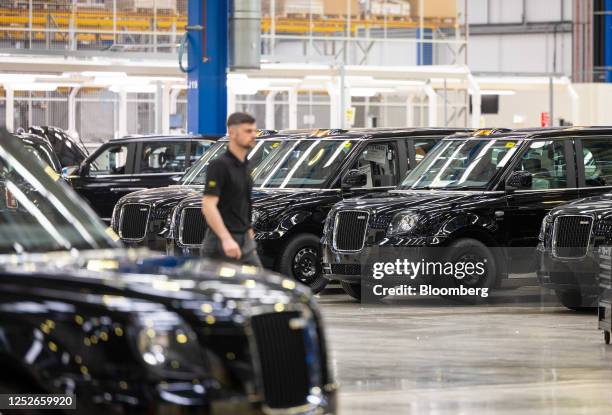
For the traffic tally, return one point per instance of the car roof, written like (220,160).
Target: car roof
(386,132)
(549,133)
(161,137)
(33,137)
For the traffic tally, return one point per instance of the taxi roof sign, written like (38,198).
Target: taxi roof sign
(326,132)
(265,133)
(484,132)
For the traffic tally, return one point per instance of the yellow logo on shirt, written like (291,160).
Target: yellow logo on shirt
(212,184)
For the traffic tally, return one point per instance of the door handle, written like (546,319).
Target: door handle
(126,189)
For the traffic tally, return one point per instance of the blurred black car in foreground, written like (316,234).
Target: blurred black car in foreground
(130,333)
(139,218)
(300,182)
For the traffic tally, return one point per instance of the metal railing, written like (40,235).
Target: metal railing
(352,35)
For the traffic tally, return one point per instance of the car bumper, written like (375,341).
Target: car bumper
(353,267)
(179,399)
(568,274)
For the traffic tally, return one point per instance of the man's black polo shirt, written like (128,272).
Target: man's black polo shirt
(230,179)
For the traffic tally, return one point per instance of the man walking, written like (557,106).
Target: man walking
(226,204)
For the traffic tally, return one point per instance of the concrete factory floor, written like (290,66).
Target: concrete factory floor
(425,358)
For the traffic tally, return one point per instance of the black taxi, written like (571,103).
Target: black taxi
(128,164)
(140,217)
(301,181)
(480,196)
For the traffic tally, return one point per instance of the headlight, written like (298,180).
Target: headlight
(168,346)
(255,216)
(544,228)
(327,224)
(403,223)
(115,218)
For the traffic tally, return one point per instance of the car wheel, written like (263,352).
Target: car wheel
(470,250)
(573,300)
(301,259)
(352,288)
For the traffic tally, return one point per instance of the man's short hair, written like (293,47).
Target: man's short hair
(238,118)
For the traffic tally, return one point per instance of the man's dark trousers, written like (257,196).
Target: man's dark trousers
(213,249)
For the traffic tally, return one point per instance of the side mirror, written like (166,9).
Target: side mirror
(353,178)
(519,180)
(69,171)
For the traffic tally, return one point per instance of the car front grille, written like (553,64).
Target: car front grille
(350,229)
(346,269)
(192,227)
(571,236)
(288,354)
(133,221)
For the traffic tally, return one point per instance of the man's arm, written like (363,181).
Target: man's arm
(215,222)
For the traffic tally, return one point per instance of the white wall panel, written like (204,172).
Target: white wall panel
(477,11)
(544,10)
(519,53)
(506,11)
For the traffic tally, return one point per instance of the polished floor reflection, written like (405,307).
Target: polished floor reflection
(423,358)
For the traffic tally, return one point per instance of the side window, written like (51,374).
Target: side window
(545,160)
(113,160)
(422,146)
(198,148)
(597,160)
(163,157)
(379,162)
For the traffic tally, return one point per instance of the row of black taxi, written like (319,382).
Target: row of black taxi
(113,330)
(327,202)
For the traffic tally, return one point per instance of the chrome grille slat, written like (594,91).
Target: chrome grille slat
(283,359)
(134,221)
(350,229)
(571,236)
(192,227)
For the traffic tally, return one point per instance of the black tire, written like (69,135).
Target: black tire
(468,249)
(573,300)
(352,288)
(301,260)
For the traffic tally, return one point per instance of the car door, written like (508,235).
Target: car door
(594,165)
(105,177)
(551,162)
(160,163)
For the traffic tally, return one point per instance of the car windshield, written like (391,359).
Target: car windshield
(306,163)
(197,174)
(461,164)
(39,214)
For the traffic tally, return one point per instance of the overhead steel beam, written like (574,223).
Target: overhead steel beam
(520,28)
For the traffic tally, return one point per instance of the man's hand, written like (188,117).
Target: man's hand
(251,233)
(231,249)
